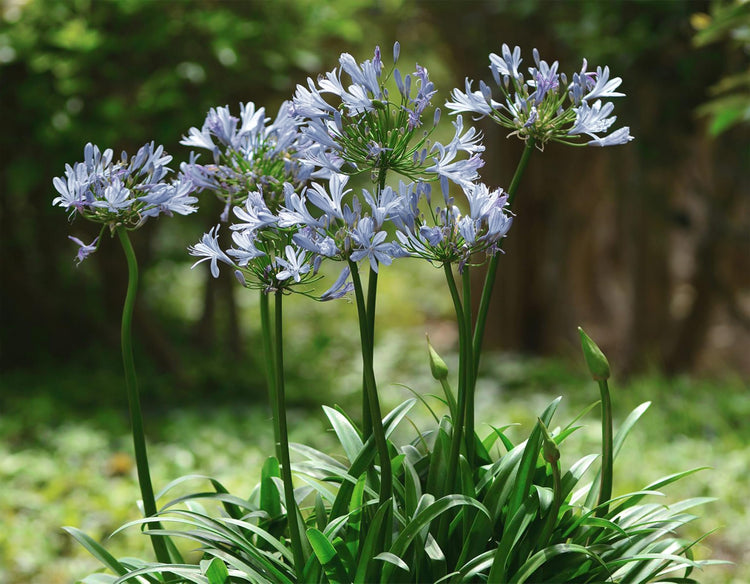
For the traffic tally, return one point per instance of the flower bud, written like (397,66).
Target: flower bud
(396,51)
(438,368)
(550,451)
(595,359)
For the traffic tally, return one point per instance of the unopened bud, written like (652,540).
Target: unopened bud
(595,359)
(438,368)
(550,451)
(396,51)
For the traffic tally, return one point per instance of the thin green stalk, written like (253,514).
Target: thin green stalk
(282,446)
(269,359)
(134,402)
(463,339)
(489,280)
(370,388)
(372,290)
(468,369)
(551,454)
(605,485)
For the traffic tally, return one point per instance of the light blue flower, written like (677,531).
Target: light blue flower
(245,250)
(250,153)
(175,197)
(507,64)
(371,244)
(84,250)
(619,136)
(363,129)
(340,288)
(208,249)
(254,215)
(603,85)
(294,265)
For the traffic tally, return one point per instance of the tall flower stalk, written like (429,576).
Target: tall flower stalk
(373,126)
(538,107)
(121,196)
(134,400)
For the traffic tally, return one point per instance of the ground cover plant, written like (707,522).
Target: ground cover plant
(446,504)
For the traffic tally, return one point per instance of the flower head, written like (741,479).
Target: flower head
(124,192)
(356,123)
(249,154)
(546,105)
(445,235)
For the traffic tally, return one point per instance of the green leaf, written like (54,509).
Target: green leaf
(215,570)
(438,471)
(428,514)
(513,533)
(270,499)
(392,559)
(96,550)
(99,579)
(524,476)
(321,517)
(322,548)
(373,541)
(347,434)
(543,556)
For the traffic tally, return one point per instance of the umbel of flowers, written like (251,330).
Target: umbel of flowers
(442,508)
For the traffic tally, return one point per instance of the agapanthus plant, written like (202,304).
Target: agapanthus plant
(444,507)
(121,195)
(546,105)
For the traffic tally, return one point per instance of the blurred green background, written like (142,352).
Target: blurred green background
(647,246)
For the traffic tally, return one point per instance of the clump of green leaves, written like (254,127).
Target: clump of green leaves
(519,515)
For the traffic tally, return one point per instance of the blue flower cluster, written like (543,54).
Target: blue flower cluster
(124,193)
(546,105)
(286,181)
(353,127)
(249,153)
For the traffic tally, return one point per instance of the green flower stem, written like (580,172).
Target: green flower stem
(372,290)
(269,359)
(605,485)
(551,519)
(282,434)
(489,280)
(469,372)
(134,402)
(459,422)
(370,387)
(551,454)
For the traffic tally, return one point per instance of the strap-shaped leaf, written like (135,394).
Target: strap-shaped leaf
(96,550)
(346,432)
(215,570)
(543,556)
(524,476)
